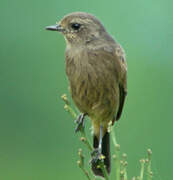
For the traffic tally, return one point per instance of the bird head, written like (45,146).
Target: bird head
(79,28)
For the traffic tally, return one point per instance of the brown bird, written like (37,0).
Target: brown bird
(97,73)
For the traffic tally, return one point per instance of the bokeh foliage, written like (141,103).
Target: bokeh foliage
(37,139)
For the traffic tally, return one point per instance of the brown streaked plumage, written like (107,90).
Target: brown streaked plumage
(97,72)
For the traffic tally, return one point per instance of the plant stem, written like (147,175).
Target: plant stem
(84,170)
(86,141)
(68,108)
(142,161)
(81,164)
(149,172)
(102,166)
(113,136)
(117,162)
(116,157)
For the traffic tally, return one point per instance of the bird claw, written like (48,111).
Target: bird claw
(97,157)
(80,122)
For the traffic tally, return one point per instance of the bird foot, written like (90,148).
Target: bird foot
(80,122)
(97,157)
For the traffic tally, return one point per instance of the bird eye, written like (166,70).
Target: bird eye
(75,26)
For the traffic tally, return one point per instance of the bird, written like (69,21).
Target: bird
(97,73)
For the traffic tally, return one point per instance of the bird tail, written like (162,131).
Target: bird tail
(105,151)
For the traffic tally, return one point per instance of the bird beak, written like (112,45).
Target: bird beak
(56,27)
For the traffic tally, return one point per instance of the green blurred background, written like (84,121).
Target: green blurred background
(37,139)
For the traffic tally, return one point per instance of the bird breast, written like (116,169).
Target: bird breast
(93,83)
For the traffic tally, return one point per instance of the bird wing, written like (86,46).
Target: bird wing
(120,68)
(119,53)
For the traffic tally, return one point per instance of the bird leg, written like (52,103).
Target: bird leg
(97,153)
(80,122)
